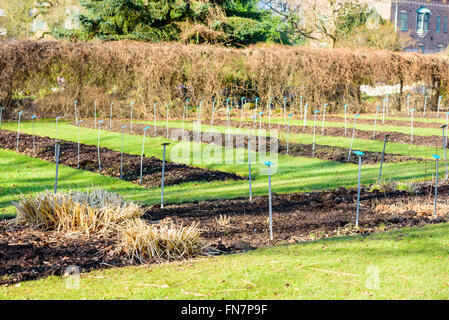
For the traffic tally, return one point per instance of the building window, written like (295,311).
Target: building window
(423,17)
(438,24)
(403,21)
(445,24)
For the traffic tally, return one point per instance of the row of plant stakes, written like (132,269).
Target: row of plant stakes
(257,116)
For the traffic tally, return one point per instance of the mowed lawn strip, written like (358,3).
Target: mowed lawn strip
(410,263)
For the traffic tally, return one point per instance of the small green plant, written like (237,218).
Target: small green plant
(385,186)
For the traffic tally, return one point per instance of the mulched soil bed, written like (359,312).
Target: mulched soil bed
(430,141)
(324,152)
(296,217)
(28,254)
(110,161)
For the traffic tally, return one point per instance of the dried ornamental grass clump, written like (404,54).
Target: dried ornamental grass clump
(421,209)
(161,242)
(97,211)
(100,211)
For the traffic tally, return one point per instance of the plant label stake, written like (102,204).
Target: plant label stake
(285,113)
(387,104)
(163,174)
(168,111)
(95,113)
(359,154)
(98,145)
(187,108)
(444,147)
(255,111)
(56,133)
(408,104)
(425,104)
(382,158)
(131,124)
(34,137)
(352,138)
(212,116)
(229,123)
(57,148)
(269,114)
(141,156)
(438,108)
(249,169)
(76,113)
(375,120)
(300,105)
(288,130)
(241,114)
(155,119)
(268,164)
(314,126)
(436,157)
(305,117)
(324,118)
(18,131)
(411,124)
(79,123)
(121,152)
(1,114)
(346,108)
(110,116)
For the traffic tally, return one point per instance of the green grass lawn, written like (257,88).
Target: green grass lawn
(294,174)
(409,263)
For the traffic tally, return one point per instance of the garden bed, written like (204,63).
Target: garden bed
(324,152)
(110,161)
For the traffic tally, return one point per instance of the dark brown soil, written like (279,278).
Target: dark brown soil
(324,152)
(110,161)
(430,141)
(28,254)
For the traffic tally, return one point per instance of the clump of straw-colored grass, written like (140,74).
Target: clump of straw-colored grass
(161,242)
(101,211)
(96,211)
(421,208)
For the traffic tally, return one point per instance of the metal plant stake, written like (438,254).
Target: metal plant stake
(444,147)
(260,129)
(352,138)
(346,108)
(375,120)
(324,118)
(270,207)
(241,113)
(255,111)
(438,108)
(436,157)
(288,130)
(110,116)
(305,117)
(163,174)
(314,126)
(300,105)
(359,154)
(212,116)
(425,104)
(78,124)
(387,104)
(155,119)
(131,124)
(383,155)
(1,114)
(285,113)
(98,145)
(408,104)
(95,113)
(57,148)
(34,136)
(18,131)
(121,152)
(76,112)
(141,156)
(269,114)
